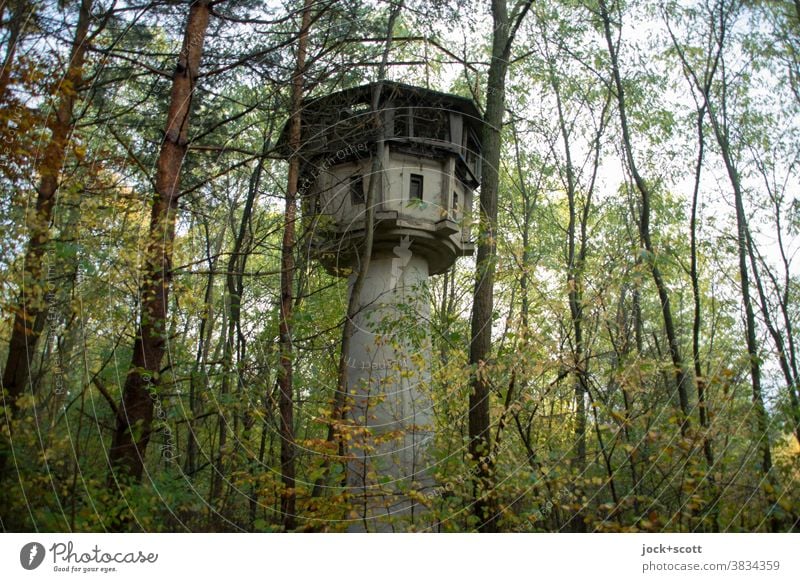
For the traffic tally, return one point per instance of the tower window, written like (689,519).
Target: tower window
(473,154)
(455,201)
(415,188)
(357,190)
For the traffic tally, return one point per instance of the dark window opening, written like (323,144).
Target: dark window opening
(357,190)
(415,189)
(402,122)
(455,201)
(421,122)
(473,154)
(430,123)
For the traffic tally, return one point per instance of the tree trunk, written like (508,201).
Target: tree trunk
(133,428)
(349,327)
(285,385)
(483,302)
(720,130)
(16,21)
(785,346)
(197,379)
(32,301)
(681,373)
(762,419)
(483,297)
(699,378)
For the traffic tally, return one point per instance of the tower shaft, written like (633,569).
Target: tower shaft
(389,394)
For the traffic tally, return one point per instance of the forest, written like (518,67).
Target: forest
(617,355)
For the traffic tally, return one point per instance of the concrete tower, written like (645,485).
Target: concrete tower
(427,155)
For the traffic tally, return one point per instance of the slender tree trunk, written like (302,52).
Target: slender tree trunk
(699,378)
(232,336)
(785,355)
(16,23)
(762,419)
(780,346)
(32,304)
(697,311)
(198,380)
(286,401)
(353,306)
(215,504)
(483,298)
(483,301)
(574,291)
(132,433)
(785,345)
(681,373)
(720,130)
(712,62)
(625,323)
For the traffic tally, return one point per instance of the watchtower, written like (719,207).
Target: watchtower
(420,153)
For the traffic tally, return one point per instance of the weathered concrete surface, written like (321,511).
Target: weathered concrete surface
(390,403)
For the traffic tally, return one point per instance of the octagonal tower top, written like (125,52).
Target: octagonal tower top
(428,151)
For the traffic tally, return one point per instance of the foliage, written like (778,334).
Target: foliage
(564,176)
